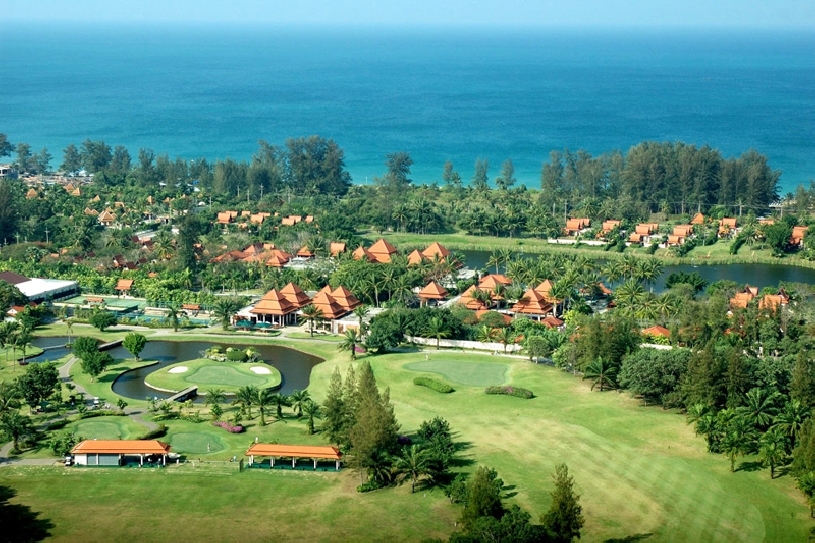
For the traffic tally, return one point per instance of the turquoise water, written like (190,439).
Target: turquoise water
(439,94)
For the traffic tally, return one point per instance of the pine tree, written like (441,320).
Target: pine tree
(737,378)
(802,386)
(374,432)
(564,519)
(335,410)
(483,496)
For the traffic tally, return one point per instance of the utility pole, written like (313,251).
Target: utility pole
(18,237)
(46,235)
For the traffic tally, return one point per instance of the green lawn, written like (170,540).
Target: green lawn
(106,428)
(317,337)
(229,376)
(639,470)
(462,371)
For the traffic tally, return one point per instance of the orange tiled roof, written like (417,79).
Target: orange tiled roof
(345,298)
(337,248)
(436,249)
(699,218)
(658,331)
(295,295)
(273,303)
(433,291)
(415,258)
(124,284)
(532,303)
(122,446)
(294,451)
(328,305)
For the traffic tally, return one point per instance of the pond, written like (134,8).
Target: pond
(758,275)
(294,366)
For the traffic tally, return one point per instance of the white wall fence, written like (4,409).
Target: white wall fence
(461,344)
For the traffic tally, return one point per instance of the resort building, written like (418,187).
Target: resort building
(273,308)
(534,304)
(382,251)
(38,290)
(432,291)
(116,453)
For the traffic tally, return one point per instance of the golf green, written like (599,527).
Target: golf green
(476,374)
(229,376)
(100,429)
(196,442)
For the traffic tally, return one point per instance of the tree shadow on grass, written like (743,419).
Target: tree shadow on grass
(19,521)
(460,460)
(629,538)
(750,466)
(508,491)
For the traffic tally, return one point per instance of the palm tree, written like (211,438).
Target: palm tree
(737,435)
(298,399)
(773,449)
(505,336)
(360,313)
(413,462)
(484,333)
(9,398)
(602,373)
(760,407)
(69,327)
(224,309)
(311,314)
(350,341)
(246,397)
(437,328)
(214,396)
(495,259)
(790,420)
(173,310)
(280,401)
(311,410)
(16,426)
(264,399)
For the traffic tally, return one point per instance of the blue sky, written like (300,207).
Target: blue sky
(533,13)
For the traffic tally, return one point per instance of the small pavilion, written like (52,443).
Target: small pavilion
(293,452)
(305,252)
(436,249)
(532,303)
(123,286)
(415,258)
(382,251)
(114,453)
(432,291)
(345,298)
(274,308)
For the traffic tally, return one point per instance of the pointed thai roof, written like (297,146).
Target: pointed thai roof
(544,288)
(328,305)
(254,249)
(433,291)
(273,303)
(124,284)
(151,200)
(327,289)
(32,193)
(382,250)
(361,253)
(436,249)
(658,331)
(336,248)
(89,211)
(277,261)
(532,303)
(106,216)
(305,252)
(76,192)
(415,258)
(491,281)
(295,295)
(552,322)
(345,298)
(468,301)
(699,218)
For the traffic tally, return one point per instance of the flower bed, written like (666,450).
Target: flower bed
(432,384)
(228,427)
(518,392)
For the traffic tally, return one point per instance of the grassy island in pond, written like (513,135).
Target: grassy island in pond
(205,373)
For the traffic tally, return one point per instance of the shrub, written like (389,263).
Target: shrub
(518,392)
(161,431)
(236,355)
(368,486)
(432,384)
(228,427)
(101,413)
(57,424)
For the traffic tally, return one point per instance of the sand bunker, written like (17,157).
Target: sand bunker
(260,370)
(178,369)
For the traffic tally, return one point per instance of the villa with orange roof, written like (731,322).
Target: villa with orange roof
(415,258)
(295,295)
(336,248)
(532,303)
(574,226)
(699,218)
(275,308)
(382,251)
(432,291)
(727,227)
(798,233)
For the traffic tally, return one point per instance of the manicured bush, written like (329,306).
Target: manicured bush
(236,355)
(518,392)
(100,413)
(368,486)
(57,424)
(432,384)
(228,427)
(161,431)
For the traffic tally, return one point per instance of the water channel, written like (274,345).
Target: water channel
(294,366)
(758,275)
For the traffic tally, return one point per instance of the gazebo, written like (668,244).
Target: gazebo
(294,452)
(123,286)
(433,291)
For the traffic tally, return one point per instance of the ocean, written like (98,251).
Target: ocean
(440,93)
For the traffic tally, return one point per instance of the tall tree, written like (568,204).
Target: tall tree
(38,383)
(564,519)
(450,176)
(71,161)
(189,233)
(134,343)
(507,177)
(480,180)
(6,147)
(483,496)
(374,431)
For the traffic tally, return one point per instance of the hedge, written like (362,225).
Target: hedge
(518,392)
(236,355)
(161,431)
(432,384)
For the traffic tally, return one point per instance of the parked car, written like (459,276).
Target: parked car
(69,460)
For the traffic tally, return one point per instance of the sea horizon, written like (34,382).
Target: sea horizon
(438,93)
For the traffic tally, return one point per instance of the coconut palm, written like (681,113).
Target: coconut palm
(361,313)
(484,333)
(601,373)
(505,336)
(350,341)
(311,314)
(224,309)
(69,328)
(773,449)
(311,410)
(9,398)
(298,399)
(173,310)
(264,399)
(16,427)
(280,401)
(759,408)
(437,328)
(790,420)
(737,435)
(413,462)
(245,397)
